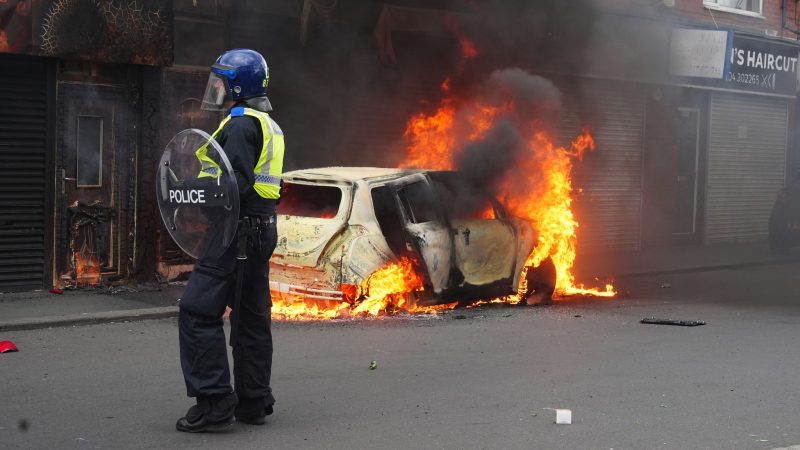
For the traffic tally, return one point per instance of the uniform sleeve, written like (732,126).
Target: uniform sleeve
(241,141)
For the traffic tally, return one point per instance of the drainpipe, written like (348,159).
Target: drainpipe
(784,25)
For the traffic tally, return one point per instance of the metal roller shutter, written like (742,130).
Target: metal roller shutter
(609,209)
(746,165)
(23,164)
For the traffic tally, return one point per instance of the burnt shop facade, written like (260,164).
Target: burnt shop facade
(731,109)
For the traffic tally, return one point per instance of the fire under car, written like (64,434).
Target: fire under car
(338,225)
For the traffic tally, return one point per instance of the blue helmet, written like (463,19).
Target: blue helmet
(239,74)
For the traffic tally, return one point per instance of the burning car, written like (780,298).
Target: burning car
(338,225)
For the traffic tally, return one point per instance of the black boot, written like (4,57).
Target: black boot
(213,413)
(253,411)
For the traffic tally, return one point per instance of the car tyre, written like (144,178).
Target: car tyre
(541,284)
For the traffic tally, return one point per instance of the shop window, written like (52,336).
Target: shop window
(90,151)
(748,7)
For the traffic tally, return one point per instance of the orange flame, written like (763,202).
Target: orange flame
(301,309)
(391,289)
(548,204)
(388,287)
(87,271)
(543,195)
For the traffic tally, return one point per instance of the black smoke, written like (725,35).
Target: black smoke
(339,104)
(484,165)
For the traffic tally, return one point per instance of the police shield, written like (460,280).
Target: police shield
(198,194)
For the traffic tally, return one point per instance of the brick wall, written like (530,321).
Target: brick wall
(695,10)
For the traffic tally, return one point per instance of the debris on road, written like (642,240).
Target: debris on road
(563,416)
(373,365)
(666,286)
(7,347)
(57,291)
(679,323)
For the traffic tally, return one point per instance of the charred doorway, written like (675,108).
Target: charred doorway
(97,145)
(674,166)
(685,218)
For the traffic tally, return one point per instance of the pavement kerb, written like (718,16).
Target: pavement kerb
(704,268)
(32,323)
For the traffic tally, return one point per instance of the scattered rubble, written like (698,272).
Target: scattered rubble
(564,416)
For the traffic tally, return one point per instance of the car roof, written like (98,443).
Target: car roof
(351,174)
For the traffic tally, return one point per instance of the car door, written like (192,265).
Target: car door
(485,246)
(423,222)
(484,241)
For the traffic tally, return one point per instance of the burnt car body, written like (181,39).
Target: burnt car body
(784,221)
(337,225)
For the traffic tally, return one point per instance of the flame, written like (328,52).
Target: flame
(431,139)
(301,309)
(548,205)
(543,195)
(390,289)
(87,270)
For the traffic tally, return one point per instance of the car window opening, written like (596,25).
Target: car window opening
(418,202)
(304,200)
(464,202)
(389,219)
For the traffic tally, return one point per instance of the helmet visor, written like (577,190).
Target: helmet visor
(214,98)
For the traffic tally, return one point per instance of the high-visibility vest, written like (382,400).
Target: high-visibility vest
(269,167)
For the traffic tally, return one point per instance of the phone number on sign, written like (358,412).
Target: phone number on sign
(745,78)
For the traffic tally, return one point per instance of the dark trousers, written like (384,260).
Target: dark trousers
(203,349)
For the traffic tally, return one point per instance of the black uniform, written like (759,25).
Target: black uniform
(212,287)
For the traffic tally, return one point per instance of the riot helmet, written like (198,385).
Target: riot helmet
(239,74)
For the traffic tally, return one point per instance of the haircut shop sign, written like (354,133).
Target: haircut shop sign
(728,60)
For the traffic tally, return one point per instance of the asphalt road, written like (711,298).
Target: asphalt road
(481,378)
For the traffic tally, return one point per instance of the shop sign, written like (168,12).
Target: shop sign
(732,61)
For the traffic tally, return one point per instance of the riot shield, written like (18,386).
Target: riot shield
(197,194)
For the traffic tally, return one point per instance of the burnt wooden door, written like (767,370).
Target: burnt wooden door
(97,145)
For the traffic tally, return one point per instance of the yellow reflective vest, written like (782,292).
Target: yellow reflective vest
(269,167)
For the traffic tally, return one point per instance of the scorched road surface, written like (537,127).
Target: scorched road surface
(471,379)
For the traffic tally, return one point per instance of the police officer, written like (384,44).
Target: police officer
(254,145)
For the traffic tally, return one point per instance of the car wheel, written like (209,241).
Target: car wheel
(541,284)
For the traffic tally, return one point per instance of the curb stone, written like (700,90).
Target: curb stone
(31,323)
